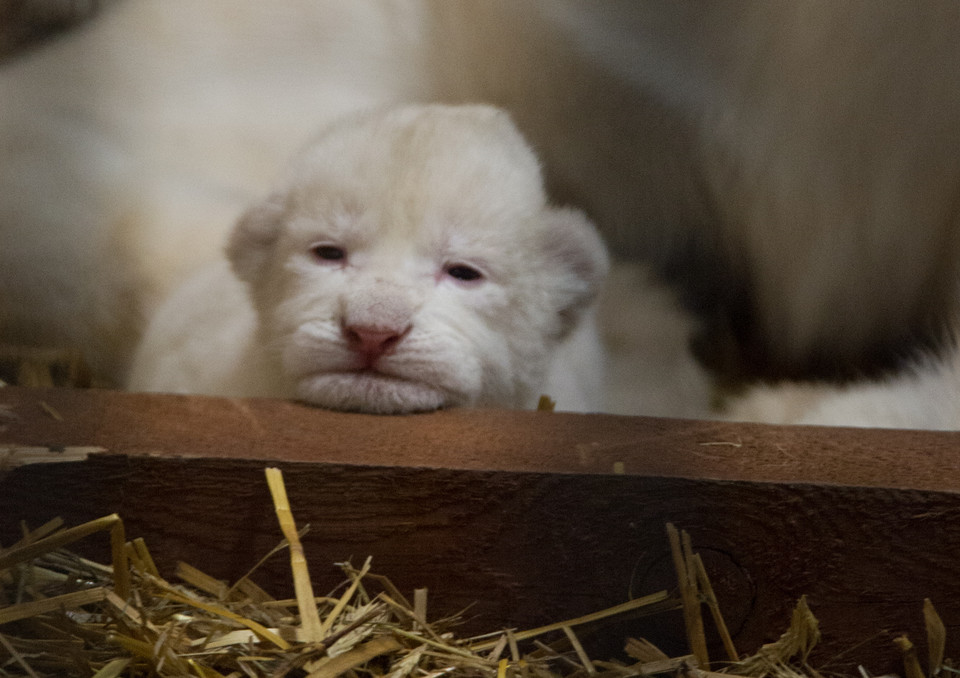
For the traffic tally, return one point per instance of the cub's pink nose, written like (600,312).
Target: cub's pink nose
(373,342)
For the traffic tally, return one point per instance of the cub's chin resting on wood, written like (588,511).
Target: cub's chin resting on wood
(408,261)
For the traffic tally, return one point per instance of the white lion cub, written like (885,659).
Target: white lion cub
(408,261)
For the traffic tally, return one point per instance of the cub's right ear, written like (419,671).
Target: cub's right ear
(254,236)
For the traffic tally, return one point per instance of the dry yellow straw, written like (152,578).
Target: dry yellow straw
(67,600)
(310,628)
(29,551)
(546,404)
(578,648)
(358,656)
(19,658)
(143,553)
(19,554)
(221,611)
(344,599)
(635,604)
(936,637)
(689,594)
(714,606)
(121,573)
(911,665)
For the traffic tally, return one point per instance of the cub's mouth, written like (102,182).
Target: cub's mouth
(370,391)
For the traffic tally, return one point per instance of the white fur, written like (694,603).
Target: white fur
(924,396)
(646,336)
(129,146)
(405,194)
(807,153)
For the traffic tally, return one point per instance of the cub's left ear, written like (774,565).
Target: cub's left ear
(254,236)
(579,262)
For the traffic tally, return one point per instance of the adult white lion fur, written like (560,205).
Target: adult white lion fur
(795,166)
(926,395)
(129,146)
(407,261)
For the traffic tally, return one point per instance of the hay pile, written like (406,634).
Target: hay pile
(63,615)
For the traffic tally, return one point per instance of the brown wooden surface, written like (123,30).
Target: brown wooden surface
(519,511)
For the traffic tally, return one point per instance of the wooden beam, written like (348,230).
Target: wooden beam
(520,513)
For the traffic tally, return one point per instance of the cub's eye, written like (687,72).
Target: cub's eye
(328,252)
(463,273)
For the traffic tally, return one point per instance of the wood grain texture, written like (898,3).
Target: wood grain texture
(518,512)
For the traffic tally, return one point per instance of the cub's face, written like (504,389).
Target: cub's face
(409,262)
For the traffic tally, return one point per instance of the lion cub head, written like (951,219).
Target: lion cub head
(409,261)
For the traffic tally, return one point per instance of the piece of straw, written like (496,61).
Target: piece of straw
(420,607)
(578,648)
(17,656)
(311,631)
(644,651)
(202,581)
(689,595)
(66,601)
(936,636)
(794,644)
(41,532)
(121,573)
(19,554)
(546,404)
(635,604)
(714,607)
(344,599)
(259,629)
(272,552)
(113,669)
(140,546)
(514,647)
(911,665)
(356,657)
